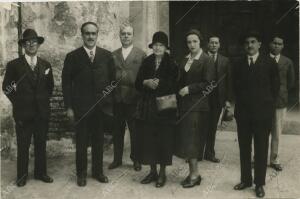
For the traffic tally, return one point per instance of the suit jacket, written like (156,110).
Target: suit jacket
(126,71)
(86,85)
(198,79)
(256,88)
(287,80)
(32,95)
(224,79)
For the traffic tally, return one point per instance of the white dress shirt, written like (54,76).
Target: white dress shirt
(213,55)
(191,60)
(254,57)
(88,51)
(32,61)
(126,51)
(276,57)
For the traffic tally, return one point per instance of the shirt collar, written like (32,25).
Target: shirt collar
(128,49)
(197,57)
(28,58)
(273,56)
(254,57)
(210,54)
(88,50)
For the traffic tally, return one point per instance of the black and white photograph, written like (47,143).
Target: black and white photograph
(149,99)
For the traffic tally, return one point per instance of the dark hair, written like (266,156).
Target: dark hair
(251,33)
(88,23)
(275,34)
(213,35)
(194,32)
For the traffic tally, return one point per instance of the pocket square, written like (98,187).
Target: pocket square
(47,71)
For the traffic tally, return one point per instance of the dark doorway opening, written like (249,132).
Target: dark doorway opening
(230,19)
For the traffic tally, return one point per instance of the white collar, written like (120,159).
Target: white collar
(29,58)
(210,54)
(197,57)
(253,56)
(273,56)
(128,49)
(88,50)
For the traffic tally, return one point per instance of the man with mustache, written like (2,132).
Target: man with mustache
(88,79)
(256,85)
(128,60)
(287,79)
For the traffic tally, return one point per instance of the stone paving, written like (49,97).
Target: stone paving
(218,179)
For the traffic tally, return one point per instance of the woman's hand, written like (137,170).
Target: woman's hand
(184,91)
(151,83)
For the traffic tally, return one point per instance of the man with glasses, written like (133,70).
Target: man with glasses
(88,81)
(28,84)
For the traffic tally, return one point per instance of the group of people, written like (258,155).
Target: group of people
(169,108)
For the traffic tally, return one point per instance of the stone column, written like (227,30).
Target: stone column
(147,18)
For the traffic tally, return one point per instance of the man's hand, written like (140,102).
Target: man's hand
(184,91)
(70,115)
(151,83)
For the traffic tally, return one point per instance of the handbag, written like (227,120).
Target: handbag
(167,102)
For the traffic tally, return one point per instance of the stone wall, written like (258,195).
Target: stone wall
(59,23)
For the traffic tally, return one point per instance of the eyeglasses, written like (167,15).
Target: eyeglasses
(31,42)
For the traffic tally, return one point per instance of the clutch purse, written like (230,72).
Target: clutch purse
(166,102)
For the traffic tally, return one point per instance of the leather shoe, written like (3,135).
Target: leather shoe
(150,178)
(242,186)
(101,178)
(114,165)
(45,178)
(21,182)
(192,182)
(81,181)
(277,167)
(137,166)
(185,180)
(161,181)
(260,192)
(213,159)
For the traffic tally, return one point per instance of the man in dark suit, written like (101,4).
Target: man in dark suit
(88,82)
(127,59)
(28,84)
(220,96)
(256,85)
(287,79)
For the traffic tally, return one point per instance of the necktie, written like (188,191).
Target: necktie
(251,62)
(32,64)
(214,57)
(92,56)
(275,58)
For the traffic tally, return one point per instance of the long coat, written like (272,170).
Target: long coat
(126,71)
(167,74)
(87,85)
(256,88)
(31,96)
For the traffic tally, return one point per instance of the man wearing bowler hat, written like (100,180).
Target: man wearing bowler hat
(256,85)
(28,84)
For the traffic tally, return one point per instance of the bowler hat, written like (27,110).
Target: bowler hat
(30,34)
(160,37)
